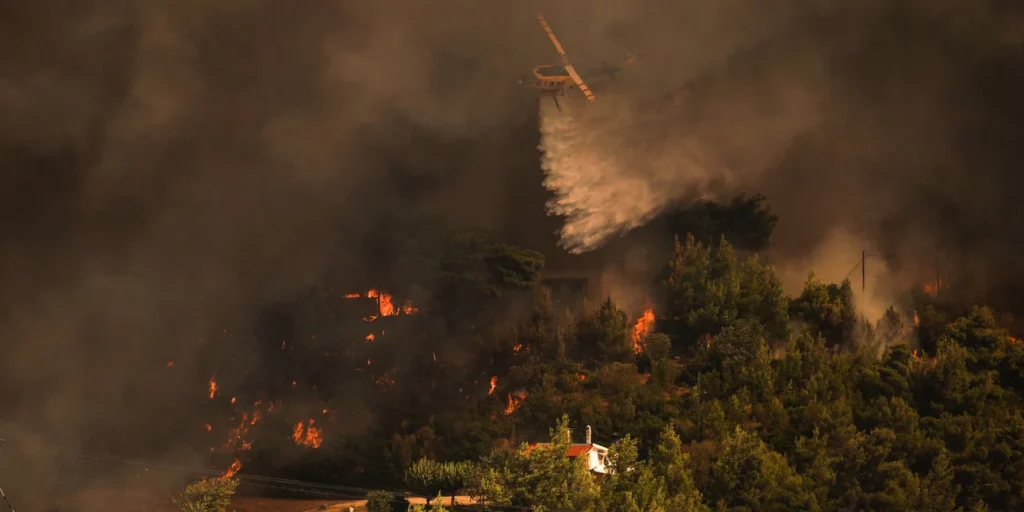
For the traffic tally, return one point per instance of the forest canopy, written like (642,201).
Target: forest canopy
(736,397)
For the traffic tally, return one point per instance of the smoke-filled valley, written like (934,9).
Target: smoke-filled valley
(307,241)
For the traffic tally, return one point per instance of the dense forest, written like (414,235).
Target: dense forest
(725,395)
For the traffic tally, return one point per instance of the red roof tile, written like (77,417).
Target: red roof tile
(575,450)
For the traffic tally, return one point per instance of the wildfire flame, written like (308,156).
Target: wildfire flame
(513,404)
(385,304)
(213,386)
(236,439)
(644,326)
(408,309)
(307,435)
(370,337)
(232,469)
(494,384)
(170,364)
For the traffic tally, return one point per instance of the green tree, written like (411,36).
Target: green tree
(540,476)
(827,309)
(747,475)
(605,335)
(431,478)
(746,221)
(938,489)
(671,464)
(207,495)
(707,290)
(741,357)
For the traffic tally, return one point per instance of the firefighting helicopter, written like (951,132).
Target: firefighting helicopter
(556,80)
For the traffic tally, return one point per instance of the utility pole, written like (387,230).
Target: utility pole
(863,268)
(863,272)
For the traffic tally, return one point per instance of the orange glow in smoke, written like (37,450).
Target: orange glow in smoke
(170,364)
(213,386)
(644,326)
(494,384)
(307,435)
(209,428)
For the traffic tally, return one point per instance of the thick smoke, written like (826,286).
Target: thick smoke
(880,126)
(171,167)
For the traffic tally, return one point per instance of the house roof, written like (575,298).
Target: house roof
(575,449)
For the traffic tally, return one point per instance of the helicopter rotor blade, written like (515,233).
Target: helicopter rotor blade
(551,35)
(579,83)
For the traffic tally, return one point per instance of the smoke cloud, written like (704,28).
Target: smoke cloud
(887,123)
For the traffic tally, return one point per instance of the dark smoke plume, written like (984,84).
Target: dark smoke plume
(880,126)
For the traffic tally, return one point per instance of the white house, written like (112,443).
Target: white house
(595,454)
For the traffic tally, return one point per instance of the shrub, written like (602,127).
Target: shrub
(378,501)
(207,495)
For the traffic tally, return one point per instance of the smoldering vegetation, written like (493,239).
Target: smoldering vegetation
(173,169)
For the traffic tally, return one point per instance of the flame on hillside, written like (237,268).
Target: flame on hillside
(643,327)
(494,384)
(385,304)
(307,435)
(237,436)
(233,469)
(513,404)
(213,385)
